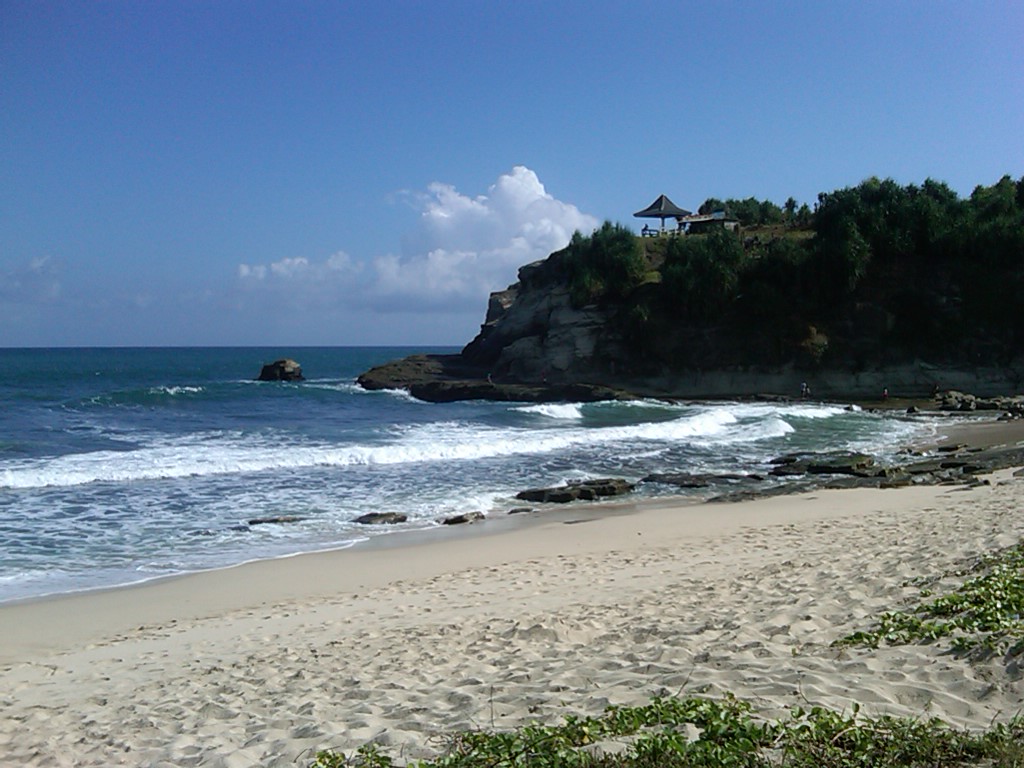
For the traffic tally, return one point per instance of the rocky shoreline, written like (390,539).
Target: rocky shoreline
(963,461)
(950,464)
(448,378)
(981,445)
(960,464)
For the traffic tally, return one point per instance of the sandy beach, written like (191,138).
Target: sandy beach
(513,621)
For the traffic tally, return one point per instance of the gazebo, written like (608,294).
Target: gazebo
(662,208)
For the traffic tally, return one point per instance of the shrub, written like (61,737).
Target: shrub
(605,266)
(701,273)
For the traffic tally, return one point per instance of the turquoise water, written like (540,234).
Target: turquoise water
(119,465)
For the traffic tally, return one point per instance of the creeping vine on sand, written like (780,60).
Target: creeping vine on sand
(983,615)
(697,732)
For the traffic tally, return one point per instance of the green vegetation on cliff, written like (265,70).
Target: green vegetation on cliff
(876,274)
(606,266)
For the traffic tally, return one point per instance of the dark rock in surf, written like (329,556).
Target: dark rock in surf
(284,369)
(749,494)
(964,401)
(381,518)
(700,480)
(585,490)
(448,378)
(275,520)
(840,463)
(465,517)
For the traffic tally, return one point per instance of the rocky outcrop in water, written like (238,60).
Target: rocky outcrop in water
(279,520)
(690,480)
(447,378)
(381,518)
(465,517)
(284,369)
(840,463)
(958,465)
(584,490)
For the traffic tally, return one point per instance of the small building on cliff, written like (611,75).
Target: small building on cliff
(662,209)
(686,222)
(699,223)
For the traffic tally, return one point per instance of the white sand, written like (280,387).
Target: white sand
(261,664)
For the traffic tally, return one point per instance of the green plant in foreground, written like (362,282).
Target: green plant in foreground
(727,735)
(986,613)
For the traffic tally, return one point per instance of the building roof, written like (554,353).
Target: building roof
(662,208)
(716,216)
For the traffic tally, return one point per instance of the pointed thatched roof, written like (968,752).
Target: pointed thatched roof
(662,208)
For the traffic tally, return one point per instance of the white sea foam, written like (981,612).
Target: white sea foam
(230,453)
(427,470)
(764,429)
(181,390)
(399,394)
(553,410)
(218,452)
(20,577)
(664,405)
(784,410)
(103,486)
(333,385)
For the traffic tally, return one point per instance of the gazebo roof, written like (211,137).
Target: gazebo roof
(662,208)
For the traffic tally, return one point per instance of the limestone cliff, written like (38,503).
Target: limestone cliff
(533,332)
(618,316)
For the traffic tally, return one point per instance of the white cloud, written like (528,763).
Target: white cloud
(33,281)
(290,267)
(299,281)
(461,249)
(341,262)
(464,247)
(258,272)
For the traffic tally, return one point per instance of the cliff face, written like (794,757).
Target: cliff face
(540,341)
(533,346)
(885,287)
(533,333)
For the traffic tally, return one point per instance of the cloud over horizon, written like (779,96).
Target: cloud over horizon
(461,250)
(31,282)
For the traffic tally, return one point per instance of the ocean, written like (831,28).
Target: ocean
(123,465)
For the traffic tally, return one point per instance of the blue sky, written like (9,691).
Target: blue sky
(272,173)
